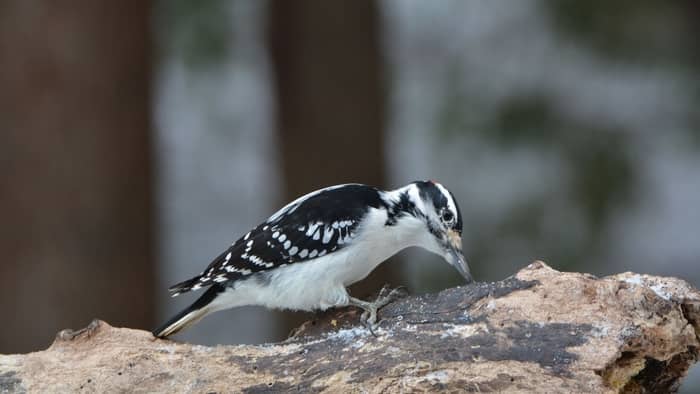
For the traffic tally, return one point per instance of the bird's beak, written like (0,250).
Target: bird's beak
(454,256)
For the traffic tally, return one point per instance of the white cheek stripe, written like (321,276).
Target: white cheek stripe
(415,197)
(450,202)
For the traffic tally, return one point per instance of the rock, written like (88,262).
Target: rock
(540,330)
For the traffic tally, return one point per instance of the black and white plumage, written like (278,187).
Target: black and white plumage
(305,255)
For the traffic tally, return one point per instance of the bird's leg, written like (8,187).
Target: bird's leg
(386,296)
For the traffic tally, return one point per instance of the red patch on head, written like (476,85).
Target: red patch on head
(433,181)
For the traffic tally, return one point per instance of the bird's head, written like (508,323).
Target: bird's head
(437,218)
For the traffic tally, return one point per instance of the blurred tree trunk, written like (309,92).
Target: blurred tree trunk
(329,86)
(75,168)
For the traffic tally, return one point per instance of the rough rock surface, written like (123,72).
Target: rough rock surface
(540,330)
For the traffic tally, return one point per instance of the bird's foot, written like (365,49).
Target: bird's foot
(386,296)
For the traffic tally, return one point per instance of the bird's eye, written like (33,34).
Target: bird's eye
(447,216)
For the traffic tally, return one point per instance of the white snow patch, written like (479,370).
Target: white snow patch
(661,289)
(393,350)
(201,348)
(634,280)
(461,330)
(601,331)
(358,344)
(348,334)
(168,349)
(441,376)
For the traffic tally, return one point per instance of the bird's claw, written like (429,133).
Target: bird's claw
(368,318)
(386,296)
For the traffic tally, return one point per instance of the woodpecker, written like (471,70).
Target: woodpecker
(305,255)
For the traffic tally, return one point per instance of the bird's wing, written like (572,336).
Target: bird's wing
(320,223)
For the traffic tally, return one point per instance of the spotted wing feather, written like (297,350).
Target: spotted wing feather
(320,223)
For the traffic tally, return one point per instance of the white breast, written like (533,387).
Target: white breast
(320,283)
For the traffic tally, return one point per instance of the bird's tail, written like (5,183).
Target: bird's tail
(190,315)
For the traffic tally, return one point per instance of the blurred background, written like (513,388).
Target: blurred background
(139,139)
